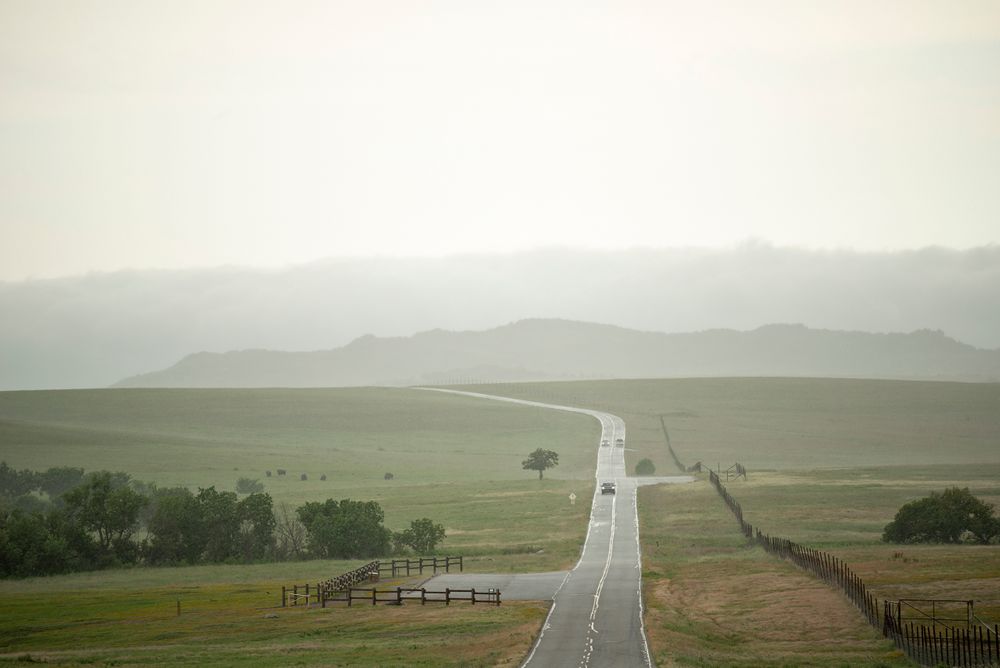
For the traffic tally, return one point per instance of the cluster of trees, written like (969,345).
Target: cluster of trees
(953,516)
(63,520)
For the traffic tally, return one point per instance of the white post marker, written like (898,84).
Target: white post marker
(572,499)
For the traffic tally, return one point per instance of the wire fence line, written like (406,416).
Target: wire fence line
(974,646)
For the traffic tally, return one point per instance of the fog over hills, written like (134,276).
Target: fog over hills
(561,349)
(94,330)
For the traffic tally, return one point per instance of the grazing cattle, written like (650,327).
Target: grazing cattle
(388,476)
(303,477)
(281,471)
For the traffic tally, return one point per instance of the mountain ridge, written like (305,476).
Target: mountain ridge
(551,349)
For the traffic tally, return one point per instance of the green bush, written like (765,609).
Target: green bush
(948,517)
(645,467)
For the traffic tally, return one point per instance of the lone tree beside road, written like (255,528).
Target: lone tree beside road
(539,460)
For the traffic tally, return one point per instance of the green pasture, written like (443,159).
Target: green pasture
(830,463)
(229,616)
(713,601)
(456,460)
(792,423)
(353,436)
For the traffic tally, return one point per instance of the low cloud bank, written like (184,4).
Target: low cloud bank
(94,330)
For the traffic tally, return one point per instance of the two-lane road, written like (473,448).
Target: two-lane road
(596,613)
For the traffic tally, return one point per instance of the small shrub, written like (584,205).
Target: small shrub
(249,486)
(645,467)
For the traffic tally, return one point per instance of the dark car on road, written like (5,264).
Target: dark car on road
(607,488)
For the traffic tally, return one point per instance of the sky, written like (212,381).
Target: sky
(139,134)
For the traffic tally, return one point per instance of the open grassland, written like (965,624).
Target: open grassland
(830,461)
(846,517)
(455,460)
(713,601)
(128,618)
(792,423)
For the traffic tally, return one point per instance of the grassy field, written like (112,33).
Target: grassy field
(228,618)
(830,462)
(793,423)
(455,460)
(712,601)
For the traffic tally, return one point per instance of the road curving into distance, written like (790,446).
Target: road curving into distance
(596,614)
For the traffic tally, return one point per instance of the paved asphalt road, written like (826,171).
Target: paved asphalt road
(596,613)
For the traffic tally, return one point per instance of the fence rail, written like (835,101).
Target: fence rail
(399,595)
(975,646)
(929,645)
(398,567)
(326,590)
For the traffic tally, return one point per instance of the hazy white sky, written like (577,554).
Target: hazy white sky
(175,134)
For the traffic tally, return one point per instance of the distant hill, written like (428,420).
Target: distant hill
(562,349)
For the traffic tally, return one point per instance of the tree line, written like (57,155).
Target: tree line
(63,520)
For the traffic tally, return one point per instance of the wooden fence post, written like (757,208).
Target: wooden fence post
(350,596)
(447,596)
(473,596)
(295,594)
(423,596)
(282,596)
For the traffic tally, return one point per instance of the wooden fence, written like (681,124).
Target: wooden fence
(398,567)
(399,595)
(370,572)
(977,645)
